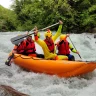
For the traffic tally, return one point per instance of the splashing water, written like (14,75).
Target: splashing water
(35,84)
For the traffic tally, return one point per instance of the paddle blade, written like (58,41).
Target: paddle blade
(7,62)
(16,40)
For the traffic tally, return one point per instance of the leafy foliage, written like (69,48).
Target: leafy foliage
(7,19)
(78,15)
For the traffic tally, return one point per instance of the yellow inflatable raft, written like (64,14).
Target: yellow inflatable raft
(54,67)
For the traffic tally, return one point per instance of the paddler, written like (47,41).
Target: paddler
(64,47)
(48,45)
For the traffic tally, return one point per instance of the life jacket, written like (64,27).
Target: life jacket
(20,48)
(63,48)
(50,45)
(30,47)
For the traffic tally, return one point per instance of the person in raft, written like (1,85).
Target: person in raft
(48,45)
(19,49)
(30,48)
(64,47)
(26,47)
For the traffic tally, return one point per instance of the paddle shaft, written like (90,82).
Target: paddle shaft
(46,27)
(49,26)
(74,47)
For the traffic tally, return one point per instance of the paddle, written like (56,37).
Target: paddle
(7,62)
(74,47)
(16,40)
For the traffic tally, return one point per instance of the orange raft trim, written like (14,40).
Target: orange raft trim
(61,68)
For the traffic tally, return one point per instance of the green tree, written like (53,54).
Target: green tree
(7,19)
(77,15)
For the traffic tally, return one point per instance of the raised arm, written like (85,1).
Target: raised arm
(58,33)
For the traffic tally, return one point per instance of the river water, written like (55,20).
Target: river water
(35,84)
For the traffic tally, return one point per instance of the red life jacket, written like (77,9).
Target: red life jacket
(63,48)
(50,45)
(21,48)
(30,47)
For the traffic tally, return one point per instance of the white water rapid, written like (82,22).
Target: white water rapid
(35,84)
